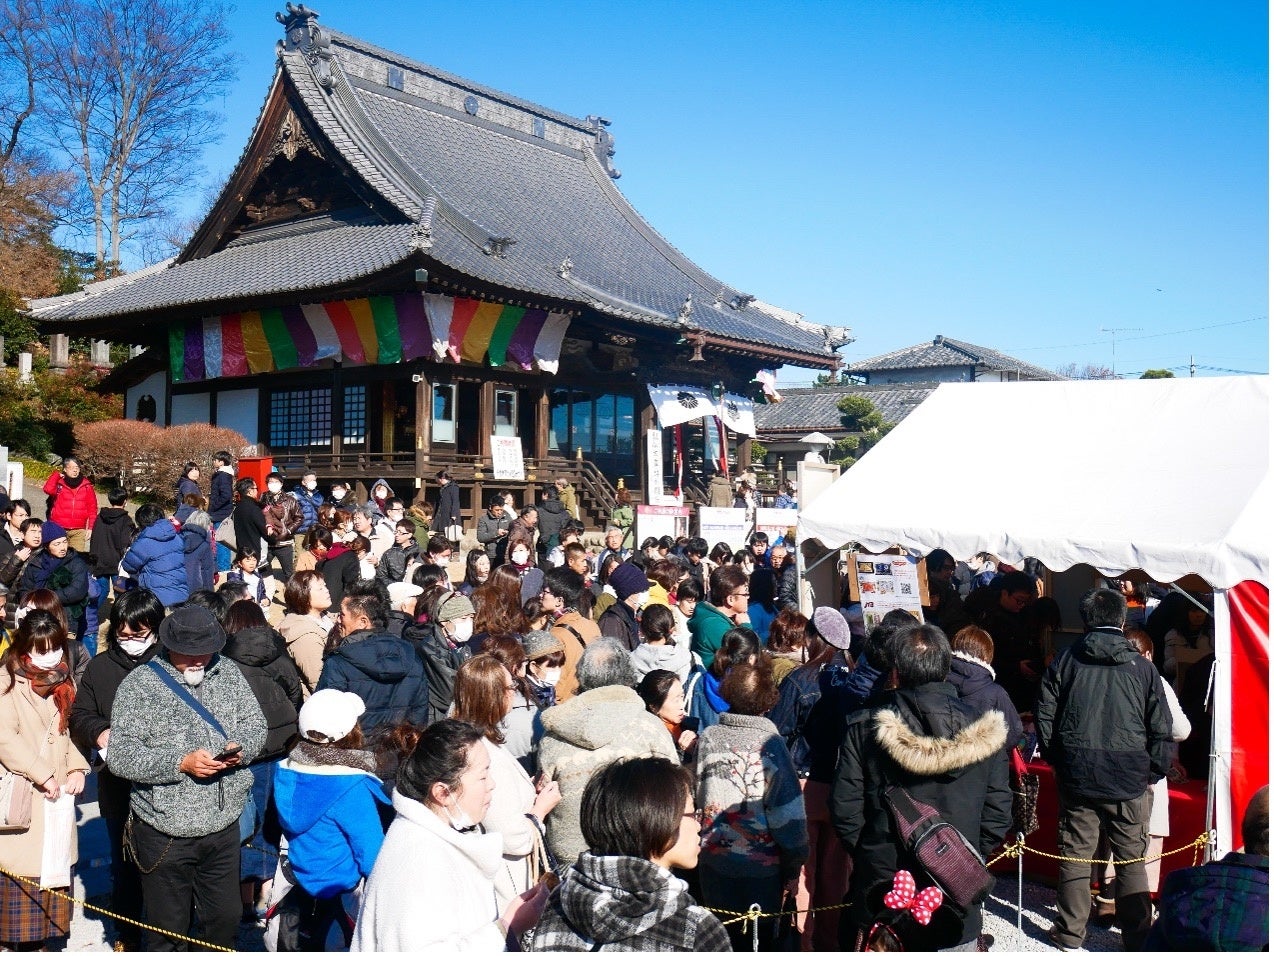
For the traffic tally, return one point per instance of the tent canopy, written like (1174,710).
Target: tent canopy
(1166,475)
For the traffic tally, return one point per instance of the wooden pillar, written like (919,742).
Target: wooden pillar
(543,422)
(743,452)
(486,418)
(424,415)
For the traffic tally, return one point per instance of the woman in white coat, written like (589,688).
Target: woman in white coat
(432,889)
(484,692)
(36,693)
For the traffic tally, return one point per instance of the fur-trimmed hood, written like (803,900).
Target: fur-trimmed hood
(929,756)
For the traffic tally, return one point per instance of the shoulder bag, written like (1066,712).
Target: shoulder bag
(15,794)
(1026,796)
(949,859)
(226,533)
(249,819)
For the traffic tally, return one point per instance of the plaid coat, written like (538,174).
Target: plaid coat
(617,904)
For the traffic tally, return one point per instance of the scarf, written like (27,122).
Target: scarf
(56,682)
(309,754)
(72,483)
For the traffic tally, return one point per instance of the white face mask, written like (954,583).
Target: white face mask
(551,676)
(460,821)
(136,647)
(44,662)
(309,485)
(519,556)
(338,494)
(643,598)
(274,487)
(464,629)
(193,676)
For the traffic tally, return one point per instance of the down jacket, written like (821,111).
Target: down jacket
(201,563)
(157,560)
(1103,719)
(386,672)
(587,732)
(275,682)
(73,508)
(975,684)
(926,740)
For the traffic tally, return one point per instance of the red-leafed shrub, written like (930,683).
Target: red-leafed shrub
(148,459)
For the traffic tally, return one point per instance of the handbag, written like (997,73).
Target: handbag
(226,533)
(15,802)
(949,859)
(249,818)
(1026,796)
(15,795)
(454,532)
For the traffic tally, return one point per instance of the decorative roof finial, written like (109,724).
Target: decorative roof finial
(604,148)
(564,270)
(683,314)
(741,301)
(303,34)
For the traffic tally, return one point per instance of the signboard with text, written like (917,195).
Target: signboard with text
(507,463)
(777,523)
(655,521)
(885,582)
(725,524)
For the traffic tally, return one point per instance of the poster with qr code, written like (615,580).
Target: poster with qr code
(886,582)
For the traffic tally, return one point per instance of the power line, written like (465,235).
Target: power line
(1137,338)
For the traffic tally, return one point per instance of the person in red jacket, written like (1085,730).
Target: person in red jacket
(72,502)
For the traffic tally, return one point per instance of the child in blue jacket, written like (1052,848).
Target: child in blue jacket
(328,798)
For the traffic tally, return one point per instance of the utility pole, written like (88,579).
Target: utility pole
(1192,366)
(1112,346)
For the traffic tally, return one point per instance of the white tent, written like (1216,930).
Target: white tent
(1167,475)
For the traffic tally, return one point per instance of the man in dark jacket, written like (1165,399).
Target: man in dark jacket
(632,591)
(310,499)
(393,564)
(1104,725)
(112,537)
(493,525)
(157,559)
(249,519)
(943,753)
(283,516)
(221,493)
(385,671)
(787,583)
(552,516)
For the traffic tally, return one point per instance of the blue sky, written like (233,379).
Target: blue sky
(1017,175)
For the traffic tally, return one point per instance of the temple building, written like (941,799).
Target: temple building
(408,271)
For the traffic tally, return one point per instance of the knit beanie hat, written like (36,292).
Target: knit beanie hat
(832,627)
(455,607)
(627,579)
(539,644)
(51,531)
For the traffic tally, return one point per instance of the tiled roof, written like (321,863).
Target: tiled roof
(945,352)
(496,188)
(814,409)
(298,260)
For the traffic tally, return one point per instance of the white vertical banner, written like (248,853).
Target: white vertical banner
(654,466)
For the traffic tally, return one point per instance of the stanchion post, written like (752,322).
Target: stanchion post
(1021,863)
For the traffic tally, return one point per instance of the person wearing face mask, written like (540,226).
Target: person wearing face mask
(310,499)
(632,593)
(365,659)
(522,560)
(189,769)
(545,657)
(443,794)
(35,702)
(131,641)
(72,502)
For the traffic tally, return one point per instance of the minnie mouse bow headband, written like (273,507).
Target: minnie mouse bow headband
(903,896)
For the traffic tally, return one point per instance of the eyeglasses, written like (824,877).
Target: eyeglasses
(142,634)
(744,593)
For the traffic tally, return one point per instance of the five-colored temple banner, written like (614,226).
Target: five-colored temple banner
(380,330)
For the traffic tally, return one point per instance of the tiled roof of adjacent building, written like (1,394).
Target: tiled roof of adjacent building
(806,410)
(945,352)
(495,188)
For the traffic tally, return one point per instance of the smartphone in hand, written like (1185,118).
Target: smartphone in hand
(231,751)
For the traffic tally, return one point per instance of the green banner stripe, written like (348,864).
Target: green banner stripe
(502,335)
(280,341)
(177,350)
(385,317)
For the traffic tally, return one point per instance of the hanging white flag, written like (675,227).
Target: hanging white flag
(678,404)
(738,415)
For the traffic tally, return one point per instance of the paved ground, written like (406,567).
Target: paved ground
(90,932)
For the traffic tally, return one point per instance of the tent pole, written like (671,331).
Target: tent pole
(1191,598)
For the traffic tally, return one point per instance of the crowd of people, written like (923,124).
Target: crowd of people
(297,717)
